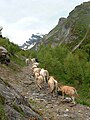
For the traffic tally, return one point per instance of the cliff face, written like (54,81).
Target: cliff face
(73,29)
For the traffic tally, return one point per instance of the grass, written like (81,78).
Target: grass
(18,61)
(84,102)
(2,113)
(2,99)
(18,109)
(36,106)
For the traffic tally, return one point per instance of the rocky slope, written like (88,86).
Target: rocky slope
(15,105)
(19,88)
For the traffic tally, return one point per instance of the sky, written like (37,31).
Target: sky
(22,18)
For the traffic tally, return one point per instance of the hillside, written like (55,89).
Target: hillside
(72,30)
(20,98)
(17,88)
(69,63)
(13,105)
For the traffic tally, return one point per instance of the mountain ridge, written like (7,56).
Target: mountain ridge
(33,40)
(71,30)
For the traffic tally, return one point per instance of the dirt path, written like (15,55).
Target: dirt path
(51,108)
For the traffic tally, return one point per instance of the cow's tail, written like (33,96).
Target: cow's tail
(76,94)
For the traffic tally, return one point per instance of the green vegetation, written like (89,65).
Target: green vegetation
(68,68)
(16,54)
(2,111)
(18,109)
(2,99)
(36,107)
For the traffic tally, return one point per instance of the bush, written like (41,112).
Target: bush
(73,69)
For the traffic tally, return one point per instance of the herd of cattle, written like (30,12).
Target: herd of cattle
(42,76)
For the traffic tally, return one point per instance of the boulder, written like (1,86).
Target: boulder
(4,57)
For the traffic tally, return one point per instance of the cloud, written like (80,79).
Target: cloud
(21,30)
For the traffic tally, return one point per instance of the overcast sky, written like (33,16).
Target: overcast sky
(21,18)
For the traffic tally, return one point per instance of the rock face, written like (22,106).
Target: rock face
(15,105)
(4,57)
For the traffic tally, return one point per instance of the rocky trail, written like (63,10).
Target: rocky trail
(51,108)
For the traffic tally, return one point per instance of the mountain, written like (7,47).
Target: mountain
(73,30)
(35,38)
